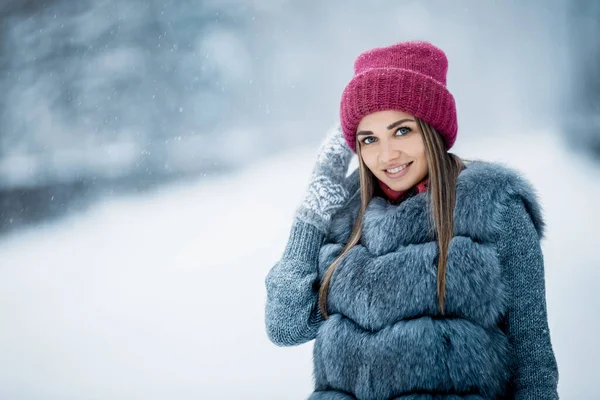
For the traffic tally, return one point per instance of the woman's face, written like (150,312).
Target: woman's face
(391,146)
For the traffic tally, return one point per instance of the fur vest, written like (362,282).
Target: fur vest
(385,337)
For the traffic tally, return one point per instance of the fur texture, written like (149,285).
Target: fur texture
(385,338)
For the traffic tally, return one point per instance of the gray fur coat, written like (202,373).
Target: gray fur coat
(385,338)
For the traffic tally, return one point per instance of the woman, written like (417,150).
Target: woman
(422,276)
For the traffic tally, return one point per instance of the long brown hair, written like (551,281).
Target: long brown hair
(444,168)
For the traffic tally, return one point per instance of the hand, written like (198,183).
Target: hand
(329,188)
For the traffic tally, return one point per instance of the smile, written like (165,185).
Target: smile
(398,171)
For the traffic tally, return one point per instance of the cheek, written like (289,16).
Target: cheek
(422,157)
(369,158)
(423,163)
(417,149)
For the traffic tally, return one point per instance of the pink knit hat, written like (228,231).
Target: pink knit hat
(408,77)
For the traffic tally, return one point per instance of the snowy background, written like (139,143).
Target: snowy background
(152,155)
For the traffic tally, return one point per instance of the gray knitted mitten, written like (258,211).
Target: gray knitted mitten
(329,188)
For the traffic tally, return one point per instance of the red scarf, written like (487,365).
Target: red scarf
(398,196)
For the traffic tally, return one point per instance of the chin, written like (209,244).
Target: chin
(399,185)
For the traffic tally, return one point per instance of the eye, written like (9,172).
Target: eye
(404,131)
(367,140)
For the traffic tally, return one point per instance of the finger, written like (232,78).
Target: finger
(334,163)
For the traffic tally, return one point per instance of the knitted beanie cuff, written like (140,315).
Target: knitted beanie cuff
(380,89)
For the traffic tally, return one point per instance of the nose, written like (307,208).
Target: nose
(387,153)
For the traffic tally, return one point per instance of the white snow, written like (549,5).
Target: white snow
(162,296)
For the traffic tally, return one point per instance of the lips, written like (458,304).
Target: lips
(398,171)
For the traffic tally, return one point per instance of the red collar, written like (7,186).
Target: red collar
(394,195)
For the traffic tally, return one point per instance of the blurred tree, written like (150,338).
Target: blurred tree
(582,101)
(110,88)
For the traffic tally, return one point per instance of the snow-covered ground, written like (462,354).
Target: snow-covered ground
(162,296)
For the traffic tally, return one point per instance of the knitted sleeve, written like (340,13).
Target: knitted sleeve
(534,364)
(292,316)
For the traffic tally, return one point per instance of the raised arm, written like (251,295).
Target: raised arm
(292,315)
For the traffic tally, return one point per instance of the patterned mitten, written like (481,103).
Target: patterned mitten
(329,188)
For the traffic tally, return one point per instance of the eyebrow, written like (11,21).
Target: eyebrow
(388,128)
